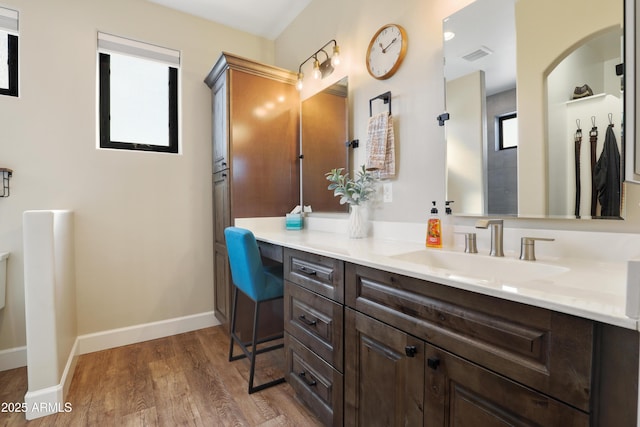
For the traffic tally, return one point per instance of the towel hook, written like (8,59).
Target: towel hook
(593,121)
(611,119)
(578,123)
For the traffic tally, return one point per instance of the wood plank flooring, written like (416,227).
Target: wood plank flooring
(182,380)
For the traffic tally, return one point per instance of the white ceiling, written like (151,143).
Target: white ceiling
(484,24)
(265,18)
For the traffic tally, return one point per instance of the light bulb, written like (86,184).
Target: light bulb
(299,82)
(317,74)
(335,58)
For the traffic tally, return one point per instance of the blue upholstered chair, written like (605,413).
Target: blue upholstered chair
(260,284)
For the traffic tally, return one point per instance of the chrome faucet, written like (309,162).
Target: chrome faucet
(528,249)
(496,234)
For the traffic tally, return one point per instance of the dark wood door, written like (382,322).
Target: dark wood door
(220,130)
(384,375)
(221,219)
(460,393)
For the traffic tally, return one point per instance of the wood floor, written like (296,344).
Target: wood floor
(182,380)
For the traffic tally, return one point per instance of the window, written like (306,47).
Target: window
(138,90)
(8,52)
(507,131)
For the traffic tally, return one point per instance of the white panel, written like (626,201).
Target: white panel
(9,20)
(108,43)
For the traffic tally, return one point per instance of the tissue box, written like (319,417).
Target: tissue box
(294,221)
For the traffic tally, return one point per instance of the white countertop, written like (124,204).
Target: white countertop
(583,287)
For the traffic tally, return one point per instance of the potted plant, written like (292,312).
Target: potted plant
(356,192)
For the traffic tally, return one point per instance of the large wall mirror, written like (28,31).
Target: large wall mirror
(324,133)
(521,76)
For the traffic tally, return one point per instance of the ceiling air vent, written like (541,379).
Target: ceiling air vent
(481,52)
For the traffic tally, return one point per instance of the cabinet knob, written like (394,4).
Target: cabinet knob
(410,350)
(433,363)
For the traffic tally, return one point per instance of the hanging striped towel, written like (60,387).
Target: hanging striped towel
(381,146)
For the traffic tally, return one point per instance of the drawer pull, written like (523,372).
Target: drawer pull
(410,350)
(307,271)
(307,321)
(433,363)
(307,381)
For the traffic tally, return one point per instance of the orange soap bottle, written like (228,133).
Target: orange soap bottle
(434,229)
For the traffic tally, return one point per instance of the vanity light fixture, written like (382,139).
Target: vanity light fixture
(5,174)
(321,69)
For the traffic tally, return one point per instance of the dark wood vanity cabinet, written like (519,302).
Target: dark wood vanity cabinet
(314,325)
(407,352)
(458,358)
(384,375)
(255,127)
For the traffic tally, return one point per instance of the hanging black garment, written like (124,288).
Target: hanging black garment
(577,143)
(607,176)
(593,139)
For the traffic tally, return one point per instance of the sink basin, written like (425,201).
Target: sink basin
(481,267)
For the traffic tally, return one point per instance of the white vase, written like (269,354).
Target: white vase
(358,221)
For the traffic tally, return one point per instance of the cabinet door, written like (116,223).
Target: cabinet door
(384,375)
(222,293)
(220,131)
(460,393)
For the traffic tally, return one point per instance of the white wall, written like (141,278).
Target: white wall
(142,220)
(465,143)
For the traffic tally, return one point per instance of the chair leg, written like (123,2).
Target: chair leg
(255,351)
(251,355)
(233,323)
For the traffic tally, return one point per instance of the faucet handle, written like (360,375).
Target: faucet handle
(528,249)
(470,246)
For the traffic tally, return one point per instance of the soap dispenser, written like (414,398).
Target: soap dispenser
(434,229)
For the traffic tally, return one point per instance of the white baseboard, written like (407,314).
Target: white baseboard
(148,331)
(17,357)
(12,358)
(49,400)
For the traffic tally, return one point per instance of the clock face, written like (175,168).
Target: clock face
(386,51)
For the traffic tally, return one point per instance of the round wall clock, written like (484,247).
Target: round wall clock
(386,51)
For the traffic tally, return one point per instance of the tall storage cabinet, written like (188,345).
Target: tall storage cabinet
(255,162)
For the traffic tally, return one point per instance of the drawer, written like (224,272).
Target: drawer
(316,383)
(317,322)
(317,273)
(547,351)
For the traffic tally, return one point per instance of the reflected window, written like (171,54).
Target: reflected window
(507,131)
